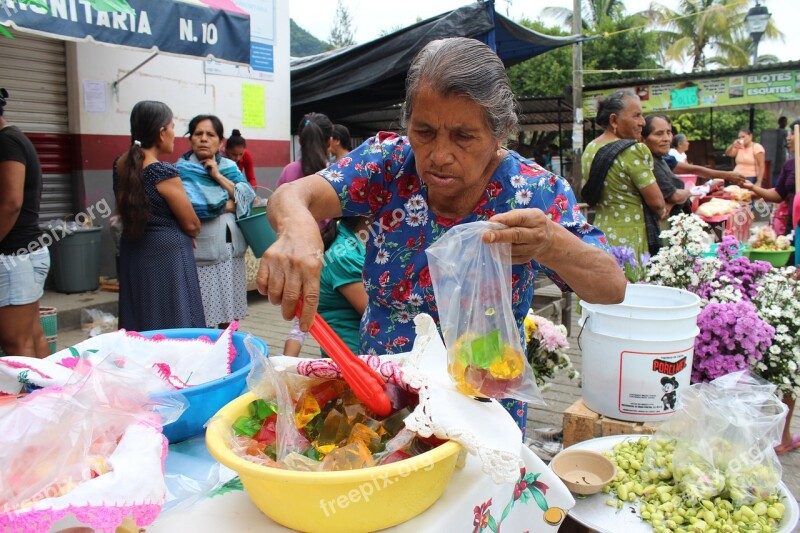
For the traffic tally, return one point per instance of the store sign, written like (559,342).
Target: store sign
(171,26)
(756,88)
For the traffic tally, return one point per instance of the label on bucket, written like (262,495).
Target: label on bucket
(648,381)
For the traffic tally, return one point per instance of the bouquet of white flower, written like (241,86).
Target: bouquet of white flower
(778,304)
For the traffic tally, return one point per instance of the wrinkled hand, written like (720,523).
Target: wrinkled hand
(529,231)
(290,268)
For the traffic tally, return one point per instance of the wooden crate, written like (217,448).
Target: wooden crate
(581,423)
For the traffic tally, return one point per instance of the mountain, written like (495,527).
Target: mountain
(303,43)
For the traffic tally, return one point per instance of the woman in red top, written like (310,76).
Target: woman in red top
(236,150)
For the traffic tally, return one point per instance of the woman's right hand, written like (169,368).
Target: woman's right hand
(291,267)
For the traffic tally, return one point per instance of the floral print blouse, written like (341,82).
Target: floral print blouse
(379,180)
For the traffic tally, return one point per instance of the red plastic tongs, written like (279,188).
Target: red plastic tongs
(367,385)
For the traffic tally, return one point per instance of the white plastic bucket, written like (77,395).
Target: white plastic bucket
(637,355)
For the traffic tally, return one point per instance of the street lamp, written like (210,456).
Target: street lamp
(756,24)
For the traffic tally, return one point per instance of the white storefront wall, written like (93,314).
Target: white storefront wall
(179,82)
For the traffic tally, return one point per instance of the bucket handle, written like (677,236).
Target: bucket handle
(585,320)
(271,192)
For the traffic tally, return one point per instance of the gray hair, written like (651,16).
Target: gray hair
(678,139)
(465,67)
(613,104)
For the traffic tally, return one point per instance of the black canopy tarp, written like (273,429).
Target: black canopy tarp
(371,76)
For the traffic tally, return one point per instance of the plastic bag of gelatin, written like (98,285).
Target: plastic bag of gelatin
(472,284)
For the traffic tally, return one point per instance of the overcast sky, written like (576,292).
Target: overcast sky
(370,17)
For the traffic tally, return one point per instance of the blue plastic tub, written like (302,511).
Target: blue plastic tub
(206,399)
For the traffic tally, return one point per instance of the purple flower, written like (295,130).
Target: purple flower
(732,337)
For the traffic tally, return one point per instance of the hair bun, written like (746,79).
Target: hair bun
(236,133)
(3,96)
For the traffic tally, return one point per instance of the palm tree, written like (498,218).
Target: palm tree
(593,13)
(736,52)
(700,27)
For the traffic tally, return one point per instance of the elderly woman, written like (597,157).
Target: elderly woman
(219,194)
(680,144)
(626,189)
(451,169)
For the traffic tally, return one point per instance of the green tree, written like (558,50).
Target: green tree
(593,13)
(548,74)
(704,32)
(342,30)
(621,42)
(302,43)
(697,126)
(624,46)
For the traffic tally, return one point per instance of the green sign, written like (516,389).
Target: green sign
(686,97)
(756,88)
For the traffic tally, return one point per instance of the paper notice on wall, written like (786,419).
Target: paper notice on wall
(252,105)
(94,96)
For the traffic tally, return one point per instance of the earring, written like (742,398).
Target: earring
(615,130)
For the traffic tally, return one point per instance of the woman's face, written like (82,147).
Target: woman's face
(630,121)
(234,153)
(205,141)
(453,147)
(660,138)
(683,147)
(168,138)
(744,138)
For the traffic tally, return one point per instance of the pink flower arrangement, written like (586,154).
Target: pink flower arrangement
(732,337)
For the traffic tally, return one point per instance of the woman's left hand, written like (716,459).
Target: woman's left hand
(211,167)
(529,231)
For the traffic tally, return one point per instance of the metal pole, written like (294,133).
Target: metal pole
(577,101)
(756,38)
(561,164)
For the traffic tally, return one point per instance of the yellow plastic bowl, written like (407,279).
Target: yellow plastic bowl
(369,499)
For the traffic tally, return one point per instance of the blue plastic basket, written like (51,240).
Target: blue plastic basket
(206,399)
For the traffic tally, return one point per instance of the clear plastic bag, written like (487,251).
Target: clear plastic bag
(722,440)
(472,283)
(58,439)
(95,322)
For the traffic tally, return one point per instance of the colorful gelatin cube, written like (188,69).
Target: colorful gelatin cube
(395,422)
(510,366)
(268,434)
(247,426)
(487,350)
(369,437)
(395,456)
(350,457)
(334,430)
(307,408)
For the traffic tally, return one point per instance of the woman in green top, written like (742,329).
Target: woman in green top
(630,186)
(342,296)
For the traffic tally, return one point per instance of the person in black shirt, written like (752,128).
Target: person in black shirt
(657,135)
(24,260)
